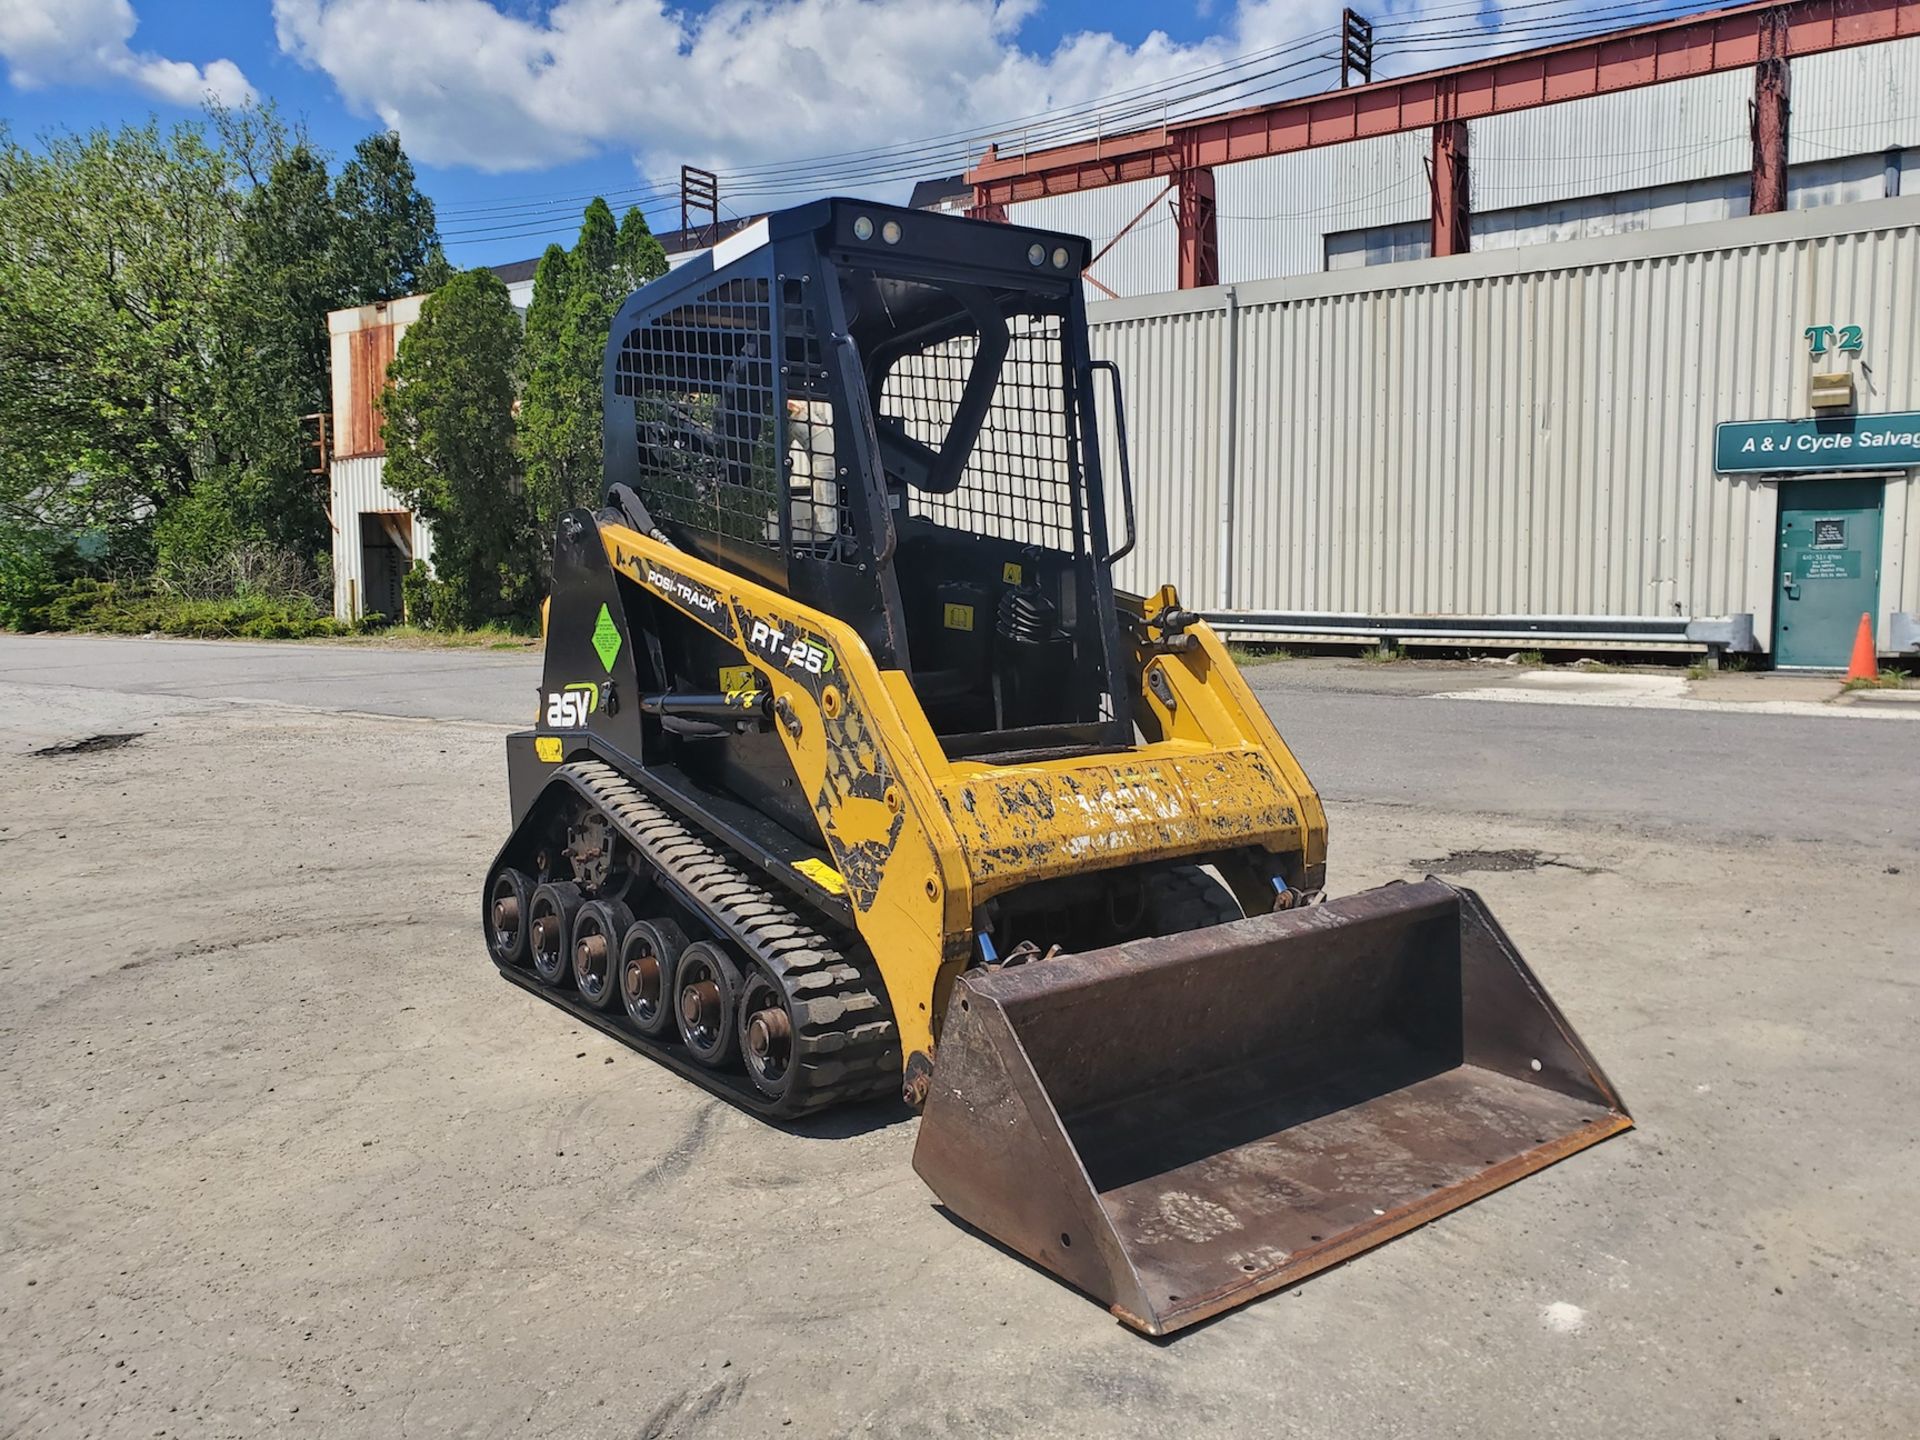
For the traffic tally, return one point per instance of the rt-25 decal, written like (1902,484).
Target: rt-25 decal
(568,709)
(795,653)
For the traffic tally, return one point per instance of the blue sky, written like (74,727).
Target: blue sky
(511,108)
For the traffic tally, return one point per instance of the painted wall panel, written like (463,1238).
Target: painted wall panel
(1142,261)
(1519,432)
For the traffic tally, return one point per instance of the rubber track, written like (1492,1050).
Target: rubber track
(1186,897)
(846,1047)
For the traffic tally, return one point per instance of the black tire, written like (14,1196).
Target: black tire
(507,918)
(647,959)
(767,1027)
(554,906)
(598,932)
(706,997)
(1188,898)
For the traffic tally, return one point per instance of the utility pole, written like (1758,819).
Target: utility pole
(699,194)
(1356,48)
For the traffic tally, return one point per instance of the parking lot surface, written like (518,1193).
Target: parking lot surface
(282,1155)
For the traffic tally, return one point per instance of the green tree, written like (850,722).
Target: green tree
(286,273)
(448,426)
(392,241)
(639,256)
(575,297)
(114,251)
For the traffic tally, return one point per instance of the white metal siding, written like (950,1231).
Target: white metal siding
(1273,214)
(1659,135)
(355,489)
(1143,261)
(1528,432)
(1850,102)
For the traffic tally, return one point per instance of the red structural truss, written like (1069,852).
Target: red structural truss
(1762,37)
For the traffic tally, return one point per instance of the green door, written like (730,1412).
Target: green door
(1829,570)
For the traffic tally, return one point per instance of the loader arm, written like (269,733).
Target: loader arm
(920,841)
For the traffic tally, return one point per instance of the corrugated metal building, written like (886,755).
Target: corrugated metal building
(1671,154)
(1526,432)
(376,538)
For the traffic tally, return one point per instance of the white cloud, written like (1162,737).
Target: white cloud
(741,83)
(85,42)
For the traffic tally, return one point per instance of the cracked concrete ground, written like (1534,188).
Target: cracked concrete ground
(282,1156)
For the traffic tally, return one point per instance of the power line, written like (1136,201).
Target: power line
(1173,98)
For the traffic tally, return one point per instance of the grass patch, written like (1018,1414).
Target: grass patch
(1243,654)
(1530,657)
(1699,670)
(1886,680)
(110,607)
(1382,655)
(1597,667)
(486,637)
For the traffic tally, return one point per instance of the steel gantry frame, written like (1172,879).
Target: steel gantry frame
(1764,37)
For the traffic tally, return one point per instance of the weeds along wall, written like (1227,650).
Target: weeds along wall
(1523,432)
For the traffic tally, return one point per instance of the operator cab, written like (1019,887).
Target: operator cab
(889,414)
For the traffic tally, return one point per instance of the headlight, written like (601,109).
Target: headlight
(890,232)
(1036,254)
(1060,258)
(863,228)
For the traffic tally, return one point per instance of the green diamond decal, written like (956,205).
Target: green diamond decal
(606,638)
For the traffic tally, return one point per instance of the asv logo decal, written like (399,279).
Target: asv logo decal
(684,591)
(797,654)
(568,709)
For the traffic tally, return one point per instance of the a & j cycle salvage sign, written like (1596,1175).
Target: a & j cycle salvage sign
(1838,442)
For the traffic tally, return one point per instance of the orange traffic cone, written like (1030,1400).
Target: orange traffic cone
(1865,665)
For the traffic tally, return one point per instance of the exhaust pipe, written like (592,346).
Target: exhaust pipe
(1179,1125)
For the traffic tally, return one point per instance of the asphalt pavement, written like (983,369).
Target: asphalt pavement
(1376,734)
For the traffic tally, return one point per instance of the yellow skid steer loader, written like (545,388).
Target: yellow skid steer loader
(853,776)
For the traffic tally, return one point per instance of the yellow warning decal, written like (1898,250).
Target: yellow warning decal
(548,748)
(737,680)
(1010,573)
(959,617)
(823,875)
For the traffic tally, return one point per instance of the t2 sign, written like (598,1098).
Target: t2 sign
(1822,338)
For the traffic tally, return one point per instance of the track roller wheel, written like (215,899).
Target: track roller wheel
(647,959)
(766,1033)
(508,904)
(553,909)
(706,989)
(598,931)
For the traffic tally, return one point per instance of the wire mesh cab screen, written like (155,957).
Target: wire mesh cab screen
(729,412)
(980,427)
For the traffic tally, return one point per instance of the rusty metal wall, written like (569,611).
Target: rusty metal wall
(1521,432)
(355,489)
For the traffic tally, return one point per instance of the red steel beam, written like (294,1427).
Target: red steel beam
(1623,60)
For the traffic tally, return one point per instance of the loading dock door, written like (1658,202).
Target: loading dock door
(386,554)
(1829,569)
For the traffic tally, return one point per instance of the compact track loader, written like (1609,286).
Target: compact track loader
(854,776)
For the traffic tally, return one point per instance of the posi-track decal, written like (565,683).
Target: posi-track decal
(702,602)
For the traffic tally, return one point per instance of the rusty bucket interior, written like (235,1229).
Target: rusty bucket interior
(1179,1125)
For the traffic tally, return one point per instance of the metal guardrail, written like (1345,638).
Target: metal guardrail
(1732,633)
